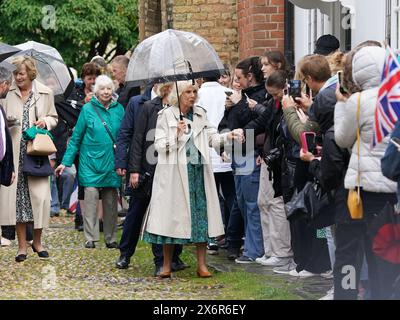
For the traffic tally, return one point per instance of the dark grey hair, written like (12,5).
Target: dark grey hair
(5,74)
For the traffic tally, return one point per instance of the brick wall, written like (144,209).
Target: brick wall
(149,18)
(260,26)
(214,20)
(236,28)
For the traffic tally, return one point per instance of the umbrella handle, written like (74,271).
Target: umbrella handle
(188,127)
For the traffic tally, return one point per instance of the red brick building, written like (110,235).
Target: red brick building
(236,28)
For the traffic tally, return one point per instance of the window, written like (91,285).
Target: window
(393,23)
(316,27)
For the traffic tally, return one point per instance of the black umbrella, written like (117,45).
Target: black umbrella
(7,51)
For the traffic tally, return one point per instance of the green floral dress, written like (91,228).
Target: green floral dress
(198,202)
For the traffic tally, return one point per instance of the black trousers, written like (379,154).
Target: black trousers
(131,232)
(8,232)
(309,252)
(352,242)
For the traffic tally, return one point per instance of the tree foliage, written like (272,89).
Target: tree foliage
(83,28)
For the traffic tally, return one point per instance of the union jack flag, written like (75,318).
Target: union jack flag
(387,111)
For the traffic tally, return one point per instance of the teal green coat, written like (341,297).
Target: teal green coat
(96,153)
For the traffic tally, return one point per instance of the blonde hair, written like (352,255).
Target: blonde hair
(336,61)
(161,88)
(29,64)
(182,86)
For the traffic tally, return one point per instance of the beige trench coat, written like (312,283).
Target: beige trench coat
(169,210)
(39,188)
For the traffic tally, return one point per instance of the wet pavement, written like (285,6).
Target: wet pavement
(310,288)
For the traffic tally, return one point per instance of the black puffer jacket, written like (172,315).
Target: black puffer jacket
(330,172)
(239,115)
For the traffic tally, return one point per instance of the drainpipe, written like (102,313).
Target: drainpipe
(289,32)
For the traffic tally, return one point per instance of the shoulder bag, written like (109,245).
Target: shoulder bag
(354,202)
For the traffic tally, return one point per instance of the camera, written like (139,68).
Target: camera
(272,156)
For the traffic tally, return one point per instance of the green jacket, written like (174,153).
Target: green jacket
(295,126)
(96,152)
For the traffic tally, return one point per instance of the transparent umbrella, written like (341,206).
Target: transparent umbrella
(40,47)
(7,51)
(52,72)
(172,55)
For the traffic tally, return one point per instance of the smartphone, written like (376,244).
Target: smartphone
(341,87)
(308,91)
(308,141)
(294,88)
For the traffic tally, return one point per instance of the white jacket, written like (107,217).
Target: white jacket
(367,71)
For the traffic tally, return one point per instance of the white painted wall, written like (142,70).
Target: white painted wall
(370,21)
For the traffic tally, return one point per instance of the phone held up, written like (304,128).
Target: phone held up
(308,142)
(294,88)
(342,89)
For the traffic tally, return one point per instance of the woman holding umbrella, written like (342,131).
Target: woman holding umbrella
(189,211)
(28,200)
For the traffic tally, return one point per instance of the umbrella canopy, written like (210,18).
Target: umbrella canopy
(172,55)
(385,234)
(52,72)
(40,47)
(7,51)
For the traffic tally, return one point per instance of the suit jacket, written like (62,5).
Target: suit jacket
(7,163)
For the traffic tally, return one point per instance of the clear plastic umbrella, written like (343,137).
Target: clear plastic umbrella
(7,51)
(40,47)
(172,55)
(52,72)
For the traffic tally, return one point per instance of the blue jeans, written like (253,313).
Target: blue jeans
(67,182)
(247,185)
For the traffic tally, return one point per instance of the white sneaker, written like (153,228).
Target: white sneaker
(329,294)
(262,259)
(307,274)
(327,275)
(275,262)
(286,269)
(294,273)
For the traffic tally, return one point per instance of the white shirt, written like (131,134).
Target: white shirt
(212,98)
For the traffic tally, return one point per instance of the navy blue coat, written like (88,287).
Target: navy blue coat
(127,128)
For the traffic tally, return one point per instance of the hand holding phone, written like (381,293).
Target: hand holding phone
(342,89)
(308,141)
(294,87)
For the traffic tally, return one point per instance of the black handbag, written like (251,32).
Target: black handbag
(312,204)
(37,166)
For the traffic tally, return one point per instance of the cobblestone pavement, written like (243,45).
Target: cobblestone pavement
(73,272)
